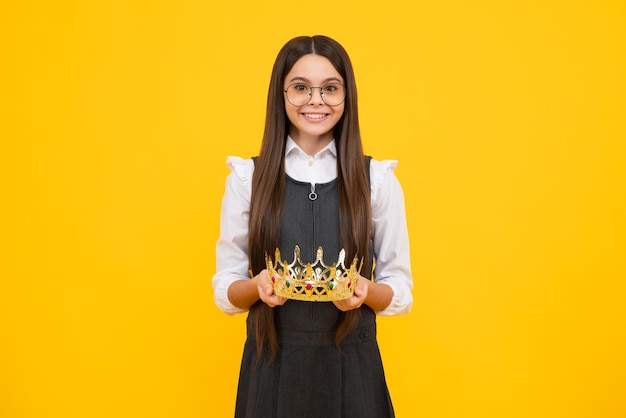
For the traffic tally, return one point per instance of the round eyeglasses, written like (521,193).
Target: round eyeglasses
(299,94)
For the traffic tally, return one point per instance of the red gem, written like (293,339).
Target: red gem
(273,279)
(309,286)
(349,283)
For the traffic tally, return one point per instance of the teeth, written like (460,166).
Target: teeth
(314,115)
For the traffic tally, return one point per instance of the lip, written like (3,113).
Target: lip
(315,117)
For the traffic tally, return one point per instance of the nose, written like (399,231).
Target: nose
(316,98)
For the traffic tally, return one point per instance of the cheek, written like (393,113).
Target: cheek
(292,112)
(339,111)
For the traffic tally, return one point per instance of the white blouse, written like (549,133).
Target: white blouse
(389,230)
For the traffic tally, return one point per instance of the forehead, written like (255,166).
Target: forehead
(313,68)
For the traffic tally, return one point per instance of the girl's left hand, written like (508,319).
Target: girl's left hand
(357,299)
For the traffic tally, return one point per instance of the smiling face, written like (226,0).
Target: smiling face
(311,125)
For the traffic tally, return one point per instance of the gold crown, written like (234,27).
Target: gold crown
(316,282)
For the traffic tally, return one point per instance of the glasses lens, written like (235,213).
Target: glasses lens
(298,94)
(333,94)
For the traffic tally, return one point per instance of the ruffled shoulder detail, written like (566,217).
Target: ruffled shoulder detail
(243,168)
(379,170)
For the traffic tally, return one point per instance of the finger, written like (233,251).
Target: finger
(275,301)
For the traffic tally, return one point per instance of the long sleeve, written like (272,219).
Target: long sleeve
(232,245)
(390,237)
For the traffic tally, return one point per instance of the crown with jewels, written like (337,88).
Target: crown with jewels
(315,282)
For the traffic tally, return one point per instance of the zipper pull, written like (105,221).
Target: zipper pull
(312,195)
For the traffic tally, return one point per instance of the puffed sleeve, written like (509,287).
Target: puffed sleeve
(390,236)
(232,245)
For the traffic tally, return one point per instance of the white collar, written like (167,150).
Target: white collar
(291,146)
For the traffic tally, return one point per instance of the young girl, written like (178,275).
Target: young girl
(312,186)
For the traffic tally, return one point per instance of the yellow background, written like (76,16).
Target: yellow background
(508,121)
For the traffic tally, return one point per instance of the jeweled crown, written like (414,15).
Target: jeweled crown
(317,282)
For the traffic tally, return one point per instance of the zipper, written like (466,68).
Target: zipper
(312,198)
(312,195)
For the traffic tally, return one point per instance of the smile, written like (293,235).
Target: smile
(316,116)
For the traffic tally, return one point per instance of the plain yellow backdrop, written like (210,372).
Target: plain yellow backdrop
(507,117)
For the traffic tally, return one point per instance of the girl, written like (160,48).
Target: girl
(312,186)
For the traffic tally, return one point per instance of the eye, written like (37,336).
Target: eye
(300,87)
(330,88)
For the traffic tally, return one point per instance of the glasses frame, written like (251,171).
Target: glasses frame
(321,94)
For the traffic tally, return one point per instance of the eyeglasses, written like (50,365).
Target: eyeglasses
(299,94)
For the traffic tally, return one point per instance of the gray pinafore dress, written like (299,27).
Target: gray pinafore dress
(309,377)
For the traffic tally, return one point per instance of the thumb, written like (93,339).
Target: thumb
(360,291)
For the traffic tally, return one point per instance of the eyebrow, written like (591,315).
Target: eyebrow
(306,80)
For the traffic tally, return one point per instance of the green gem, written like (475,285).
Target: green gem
(331,285)
(287,283)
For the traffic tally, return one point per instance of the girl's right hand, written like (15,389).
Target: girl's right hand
(266,291)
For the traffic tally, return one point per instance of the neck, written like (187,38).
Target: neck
(312,144)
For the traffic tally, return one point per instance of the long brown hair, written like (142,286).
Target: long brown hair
(268,181)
